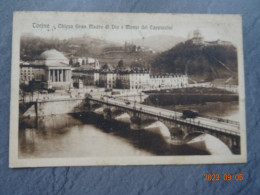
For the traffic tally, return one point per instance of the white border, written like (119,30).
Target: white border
(20,18)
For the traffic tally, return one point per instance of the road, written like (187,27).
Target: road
(198,121)
(222,126)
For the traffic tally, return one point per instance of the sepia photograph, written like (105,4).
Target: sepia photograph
(126,89)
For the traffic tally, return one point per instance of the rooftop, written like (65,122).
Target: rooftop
(52,58)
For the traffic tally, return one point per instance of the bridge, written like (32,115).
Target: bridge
(227,131)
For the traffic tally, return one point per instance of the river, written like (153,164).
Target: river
(88,135)
(225,110)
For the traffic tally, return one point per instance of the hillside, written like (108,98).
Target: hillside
(158,43)
(32,46)
(132,59)
(205,62)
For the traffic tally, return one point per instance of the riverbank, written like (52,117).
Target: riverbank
(205,100)
(191,90)
(189,96)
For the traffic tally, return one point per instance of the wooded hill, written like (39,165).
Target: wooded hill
(207,61)
(32,46)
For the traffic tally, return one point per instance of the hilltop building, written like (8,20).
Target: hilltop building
(198,39)
(52,69)
(130,47)
(126,48)
(218,42)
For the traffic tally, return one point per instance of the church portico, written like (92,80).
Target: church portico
(51,69)
(58,77)
(57,70)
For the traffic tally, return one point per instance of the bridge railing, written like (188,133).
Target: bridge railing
(210,127)
(209,117)
(193,123)
(222,120)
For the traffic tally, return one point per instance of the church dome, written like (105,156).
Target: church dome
(53,58)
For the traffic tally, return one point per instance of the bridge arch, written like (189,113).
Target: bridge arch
(138,117)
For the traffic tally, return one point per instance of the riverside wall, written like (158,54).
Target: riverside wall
(63,106)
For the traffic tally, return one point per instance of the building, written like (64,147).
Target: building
(102,78)
(133,79)
(74,61)
(52,69)
(218,42)
(107,79)
(197,38)
(89,63)
(26,72)
(168,81)
(88,77)
(129,78)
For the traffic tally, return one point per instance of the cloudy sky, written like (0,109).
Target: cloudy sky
(63,25)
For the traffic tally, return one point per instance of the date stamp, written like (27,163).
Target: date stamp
(225,177)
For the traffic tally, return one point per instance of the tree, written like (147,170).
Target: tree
(120,64)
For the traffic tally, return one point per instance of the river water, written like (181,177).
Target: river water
(66,136)
(89,135)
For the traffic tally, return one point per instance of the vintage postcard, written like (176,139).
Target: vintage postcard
(126,89)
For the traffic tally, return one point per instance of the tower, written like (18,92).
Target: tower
(97,66)
(197,38)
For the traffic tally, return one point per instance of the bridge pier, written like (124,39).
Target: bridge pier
(107,113)
(138,118)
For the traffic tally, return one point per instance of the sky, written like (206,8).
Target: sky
(64,25)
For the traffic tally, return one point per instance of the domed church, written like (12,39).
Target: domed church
(52,69)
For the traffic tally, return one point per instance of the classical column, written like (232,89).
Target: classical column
(65,75)
(46,75)
(49,75)
(57,71)
(61,76)
(54,75)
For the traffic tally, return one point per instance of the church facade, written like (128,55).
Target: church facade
(52,69)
